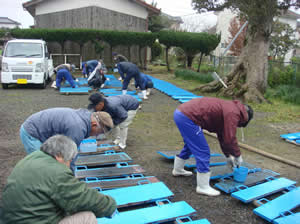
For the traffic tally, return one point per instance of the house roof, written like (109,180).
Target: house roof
(6,20)
(151,9)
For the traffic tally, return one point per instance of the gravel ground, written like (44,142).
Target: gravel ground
(153,129)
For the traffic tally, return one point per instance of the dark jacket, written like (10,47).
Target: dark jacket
(90,66)
(75,124)
(128,68)
(144,80)
(117,107)
(219,116)
(42,190)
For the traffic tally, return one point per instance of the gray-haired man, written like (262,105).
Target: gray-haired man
(42,189)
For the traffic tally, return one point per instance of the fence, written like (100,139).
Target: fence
(75,59)
(281,72)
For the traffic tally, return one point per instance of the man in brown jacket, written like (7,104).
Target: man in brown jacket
(222,117)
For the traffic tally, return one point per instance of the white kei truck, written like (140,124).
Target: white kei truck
(26,61)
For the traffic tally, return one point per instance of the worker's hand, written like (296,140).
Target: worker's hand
(238,161)
(233,162)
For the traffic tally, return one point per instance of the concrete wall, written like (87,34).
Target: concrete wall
(121,6)
(293,24)
(223,23)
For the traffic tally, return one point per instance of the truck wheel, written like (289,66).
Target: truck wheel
(4,86)
(44,84)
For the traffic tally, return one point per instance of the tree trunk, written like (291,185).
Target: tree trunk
(200,61)
(129,53)
(140,56)
(248,78)
(167,59)
(189,60)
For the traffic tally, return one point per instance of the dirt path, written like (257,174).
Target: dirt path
(153,129)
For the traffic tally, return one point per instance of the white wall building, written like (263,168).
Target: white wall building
(6,22)
(223,24)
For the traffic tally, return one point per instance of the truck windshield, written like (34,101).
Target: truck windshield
(24,50)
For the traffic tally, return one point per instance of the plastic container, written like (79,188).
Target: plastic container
(88,145)
(240,174)
(141,95)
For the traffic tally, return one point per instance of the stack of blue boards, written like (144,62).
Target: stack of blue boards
(111,173)
(173,91)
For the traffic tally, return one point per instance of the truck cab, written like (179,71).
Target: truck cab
(26,61)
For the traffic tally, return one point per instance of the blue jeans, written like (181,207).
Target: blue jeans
(30,143)
(194,142)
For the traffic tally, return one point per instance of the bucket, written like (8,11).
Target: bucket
(141,95)
(88,145)
(240,174)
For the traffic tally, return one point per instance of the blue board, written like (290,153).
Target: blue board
(219,172)
(216,159)
(284,203)
(178,97)
(139,194)
(252,193)
(291,136)
(228,185)
(291,219)
(82,89)
(150,215)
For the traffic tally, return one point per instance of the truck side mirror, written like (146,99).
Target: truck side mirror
(47,55)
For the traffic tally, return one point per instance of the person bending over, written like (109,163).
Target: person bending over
(121,108)
(222,117)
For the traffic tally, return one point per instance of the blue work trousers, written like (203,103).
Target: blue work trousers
(64,74)
(194,142)
(137,78)
(30,143)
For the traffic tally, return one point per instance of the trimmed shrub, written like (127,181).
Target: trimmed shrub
(207,68)
(156,50)
(281,76)
(191,75)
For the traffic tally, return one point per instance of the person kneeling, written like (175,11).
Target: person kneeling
(42,189)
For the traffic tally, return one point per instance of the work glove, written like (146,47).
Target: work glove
(115,213)
(234,162)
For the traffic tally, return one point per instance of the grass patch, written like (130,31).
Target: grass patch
(286,93)
(278,111)
(191,75)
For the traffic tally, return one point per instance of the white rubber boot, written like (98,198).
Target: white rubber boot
(148,92)
(178,169)
(124,92)
(144,92)
(203,185)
